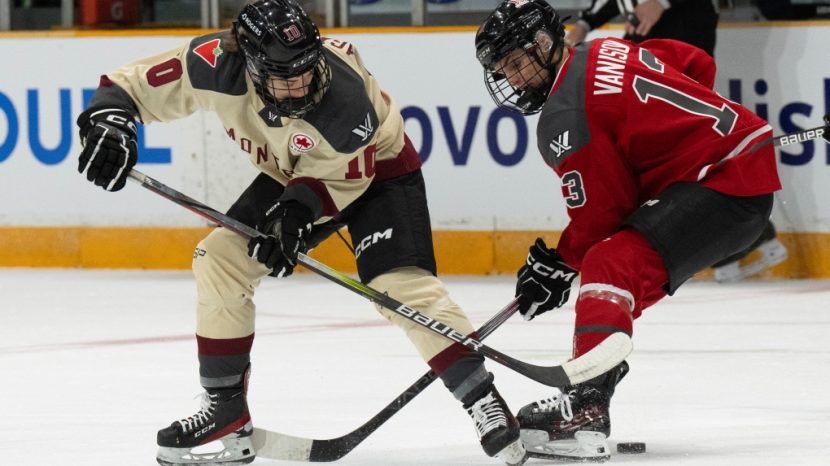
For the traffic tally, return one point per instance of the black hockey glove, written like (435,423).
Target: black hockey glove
(288,224)
(827,127)
(544,281)
(110,151)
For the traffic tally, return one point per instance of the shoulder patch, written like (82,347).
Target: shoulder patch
(365,129)
(209,51)
(211,68)
(563,126)
(301,142)
(346,103)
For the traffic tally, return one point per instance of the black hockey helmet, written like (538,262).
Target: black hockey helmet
(279,40)
(519,24)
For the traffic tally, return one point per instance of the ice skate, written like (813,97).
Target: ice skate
(766,255)
(218,435)
(497,428)
(573,424)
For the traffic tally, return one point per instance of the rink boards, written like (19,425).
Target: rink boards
(490,193)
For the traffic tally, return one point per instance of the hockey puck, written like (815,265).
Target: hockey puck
(631,447)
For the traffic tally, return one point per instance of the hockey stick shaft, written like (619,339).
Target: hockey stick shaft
(193,205)
(796,138)
(278,446)
(612,351)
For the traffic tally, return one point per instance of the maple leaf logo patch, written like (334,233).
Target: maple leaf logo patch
(209,51)
(302,142)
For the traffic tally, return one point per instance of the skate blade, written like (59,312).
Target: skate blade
(772,253)
(514,454)
(586,446)
(566,459)
(234,452)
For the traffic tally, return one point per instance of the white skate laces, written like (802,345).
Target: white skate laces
(487,414)
(560,402)
(206,410)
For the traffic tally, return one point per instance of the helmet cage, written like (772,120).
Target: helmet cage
(262,70)
(521,27)
(528,100)
(281,43)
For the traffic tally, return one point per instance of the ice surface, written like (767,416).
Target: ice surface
(94,362)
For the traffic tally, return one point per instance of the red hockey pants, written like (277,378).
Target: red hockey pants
(621,276)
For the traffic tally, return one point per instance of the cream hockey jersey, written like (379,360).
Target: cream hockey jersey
(326,160)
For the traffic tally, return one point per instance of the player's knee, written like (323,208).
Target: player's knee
(407,286)
(210,250)
(412,285)
(622,300)
(422,291)
(223,269)
(607,278)
(622,270)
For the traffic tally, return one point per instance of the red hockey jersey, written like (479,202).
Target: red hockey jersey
(623,122)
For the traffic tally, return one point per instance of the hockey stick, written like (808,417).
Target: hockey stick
(602,358)
(795,138)
(278,446)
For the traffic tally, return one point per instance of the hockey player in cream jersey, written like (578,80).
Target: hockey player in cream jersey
(332,152)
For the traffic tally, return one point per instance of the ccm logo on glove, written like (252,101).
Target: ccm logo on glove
(110,150)
(544,282)
(551,272)
(287,224)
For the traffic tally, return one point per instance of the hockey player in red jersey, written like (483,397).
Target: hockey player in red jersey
(693,22)
(661,177)
(331,149)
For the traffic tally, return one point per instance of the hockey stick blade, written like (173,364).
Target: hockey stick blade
(612,351)
(278,446)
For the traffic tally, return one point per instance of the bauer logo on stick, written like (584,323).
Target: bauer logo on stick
(801,137)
